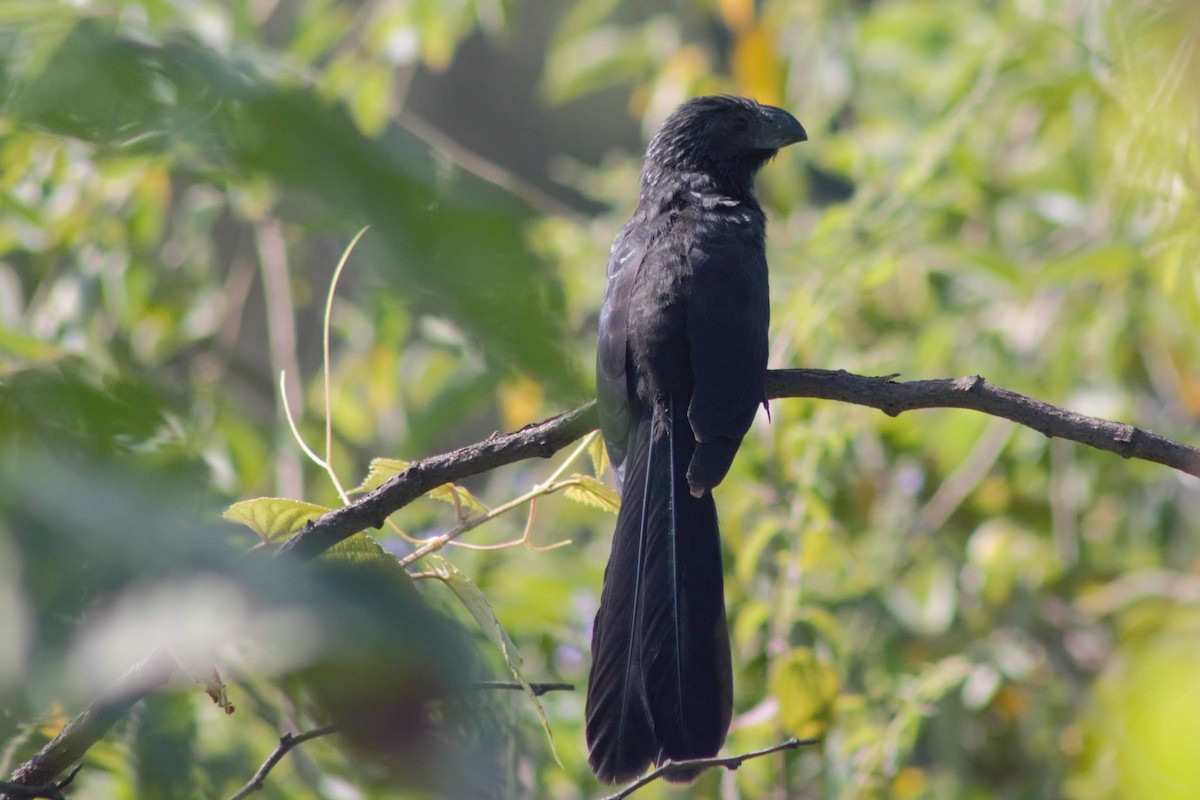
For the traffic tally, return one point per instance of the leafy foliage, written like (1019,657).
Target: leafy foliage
(958,607)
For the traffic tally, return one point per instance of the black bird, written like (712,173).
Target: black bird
(680,368)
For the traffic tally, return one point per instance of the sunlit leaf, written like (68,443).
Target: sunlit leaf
(364,551)
(456,495)
(26,348)
(589,491)
(598,452)
(273,518)
(380,471)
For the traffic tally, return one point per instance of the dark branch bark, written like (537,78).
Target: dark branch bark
(694,765)
(51,791)
(973,392)
(78,735)
(892,397)
(286,743)
(539,440)
(289,740)
(538,689)
(543,439)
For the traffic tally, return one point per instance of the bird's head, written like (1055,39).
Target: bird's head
(722,136)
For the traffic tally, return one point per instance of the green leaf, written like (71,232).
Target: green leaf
(599,454)
(806,688)
(273,518)
(380,472)
(475,602)
(114,90)
(591,492)
(364,551)
(447,493)
(384,469)
(25,347)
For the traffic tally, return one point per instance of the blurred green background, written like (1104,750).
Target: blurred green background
(958,606)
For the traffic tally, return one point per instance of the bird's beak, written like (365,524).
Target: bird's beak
(778,128)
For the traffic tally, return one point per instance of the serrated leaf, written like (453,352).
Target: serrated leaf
(363,550)
(591,492)
(481,610)
(380,472)
(447,491)
(273,518)
(360,549)
(599,454)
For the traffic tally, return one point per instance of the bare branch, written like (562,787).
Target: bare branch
(286,743)
(50,791)
(973,392)
(291,740)
(78,735)
(538,689)
(541,439)
(890,396)
(694,765)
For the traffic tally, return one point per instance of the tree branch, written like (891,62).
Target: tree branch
(78,735)
(50,791)
(545,438)
(973,392)
(286,743)
(541,439)
(290,740)
(890,396)
(694,765)
(538,689)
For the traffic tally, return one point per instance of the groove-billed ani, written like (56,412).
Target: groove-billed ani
(680,367)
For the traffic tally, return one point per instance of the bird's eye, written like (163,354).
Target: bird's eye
(740,124)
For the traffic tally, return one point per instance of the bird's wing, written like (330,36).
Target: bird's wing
(613,391)
(728,314)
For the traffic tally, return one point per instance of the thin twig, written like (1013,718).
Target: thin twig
(538,689)
(464,524)
(78,735)
(697,764)
(286,743)
(291,740)
(325,369)
(438,542)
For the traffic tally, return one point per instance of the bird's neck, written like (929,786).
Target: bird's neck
(664,185)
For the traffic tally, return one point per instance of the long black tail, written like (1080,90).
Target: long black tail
(661,686)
